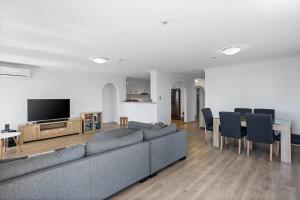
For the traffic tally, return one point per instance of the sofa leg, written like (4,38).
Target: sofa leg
(182,159)
(144,179)
(153,175)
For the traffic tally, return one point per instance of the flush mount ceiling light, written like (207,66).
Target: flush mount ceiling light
(165,22)
(231,50)
(99,60)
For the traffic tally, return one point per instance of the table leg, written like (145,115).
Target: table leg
(1,146)
(216,133)
(285,144)
(17,143)
(5,144)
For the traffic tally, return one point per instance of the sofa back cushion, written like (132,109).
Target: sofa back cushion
(108,144)
(113,133)
(154,133)
(139,125)
(21,167)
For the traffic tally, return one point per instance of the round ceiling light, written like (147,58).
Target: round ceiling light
(99,60)
(231,50)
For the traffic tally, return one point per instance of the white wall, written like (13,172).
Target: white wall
(109,103)
(153,86)
(165,82)
(84,90)
(265,84)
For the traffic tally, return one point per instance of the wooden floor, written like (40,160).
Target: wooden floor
(207,173)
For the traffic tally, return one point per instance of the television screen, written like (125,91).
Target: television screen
(47,109)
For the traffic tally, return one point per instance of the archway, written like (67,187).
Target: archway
(109,103)
(178,102)
(200,98)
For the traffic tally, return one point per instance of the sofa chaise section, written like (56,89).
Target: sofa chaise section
(166,150)
(115,170)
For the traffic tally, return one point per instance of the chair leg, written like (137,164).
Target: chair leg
(251,145)
(221,142)
(245,142)
(239,145)
(221,146)
(271,152)
(206,135)
(248,145)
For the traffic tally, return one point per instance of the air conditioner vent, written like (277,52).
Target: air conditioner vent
(14,72)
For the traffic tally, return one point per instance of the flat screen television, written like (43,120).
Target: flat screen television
(47,109)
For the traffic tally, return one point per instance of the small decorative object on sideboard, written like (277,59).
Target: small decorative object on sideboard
(6,127)
(92,121)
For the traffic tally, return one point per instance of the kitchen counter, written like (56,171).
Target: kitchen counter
(140,111)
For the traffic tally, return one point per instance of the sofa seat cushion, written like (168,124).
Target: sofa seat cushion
(154,133)
(113,133)
(100,146)
(139,125)
(21,167)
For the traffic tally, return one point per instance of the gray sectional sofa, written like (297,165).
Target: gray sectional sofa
(114,160)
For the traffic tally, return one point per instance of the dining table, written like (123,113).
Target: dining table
(279,125)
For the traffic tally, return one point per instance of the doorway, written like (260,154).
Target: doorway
(176,104)
(109,103)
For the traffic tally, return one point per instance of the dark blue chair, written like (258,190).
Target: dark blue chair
(243,111)
(259,129)
(272,113)
(209,121)
(265,111)
(231,127)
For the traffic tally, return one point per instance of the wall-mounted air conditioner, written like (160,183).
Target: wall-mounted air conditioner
(14,72)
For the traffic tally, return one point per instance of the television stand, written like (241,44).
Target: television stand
(45,130)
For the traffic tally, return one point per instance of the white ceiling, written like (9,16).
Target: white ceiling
(63,35)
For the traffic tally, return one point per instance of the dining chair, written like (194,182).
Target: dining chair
(231,127)
(276,134)
(243,111)
(208,121)
(259,129)
(265,111)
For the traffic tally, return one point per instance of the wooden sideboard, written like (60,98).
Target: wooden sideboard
(31,132)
